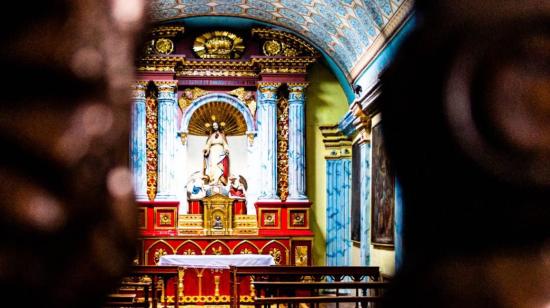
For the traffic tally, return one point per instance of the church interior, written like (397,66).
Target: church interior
(375,153)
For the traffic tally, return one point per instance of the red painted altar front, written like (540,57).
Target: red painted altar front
(283,232)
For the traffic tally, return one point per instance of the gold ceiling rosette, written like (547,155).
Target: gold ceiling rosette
(235,124)
(219,45)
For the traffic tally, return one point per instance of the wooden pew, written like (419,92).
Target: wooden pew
(155,274)
(127,293)
(269,293)
(311,279)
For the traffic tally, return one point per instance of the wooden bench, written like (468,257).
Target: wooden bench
(269,293)
(296,284)
(147,287)
(127,295)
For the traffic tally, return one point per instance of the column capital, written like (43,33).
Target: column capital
(138,89)
(297,86)
(296,92)
(361,122)
(337,144)
(268,90)
(268,86)
(167,85)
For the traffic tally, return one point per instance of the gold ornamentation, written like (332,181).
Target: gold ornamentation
(245,224)
(284,70)
(289,51)
(300,255)
(298,219)
(167,31)
(217,285)
(295,45)
(164,46)
(337,144)
(250,139)
(165,219)
(282,148)
(188,252)
(361,122)
(235,124)
(166,85)
(247,97)
(160,285)
(222,299)
(246,251)
(223,68)
(159,253)
(217,251)
(272,48)
(189,95)
(218,45)
(183,138)
(276,254)
(269,219)
(181,273)
(152,146)
(252,288)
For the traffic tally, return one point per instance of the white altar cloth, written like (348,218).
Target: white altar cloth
(217,261)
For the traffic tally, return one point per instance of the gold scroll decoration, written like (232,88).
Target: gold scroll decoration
(282,147)
(276,48)
(247,97)
(281,43)
(218,45)
(189,95)
(152,146)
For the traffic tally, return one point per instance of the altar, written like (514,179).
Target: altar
(218,155)
(206,279)
(217,261)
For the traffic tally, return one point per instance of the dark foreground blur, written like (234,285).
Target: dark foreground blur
(66,215)
(466,111)
(466,117)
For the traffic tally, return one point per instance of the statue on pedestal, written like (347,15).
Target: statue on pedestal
(237,187)
(216,156)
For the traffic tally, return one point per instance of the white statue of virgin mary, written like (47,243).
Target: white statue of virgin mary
(216,157)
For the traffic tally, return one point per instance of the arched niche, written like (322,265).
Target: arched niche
(223,98)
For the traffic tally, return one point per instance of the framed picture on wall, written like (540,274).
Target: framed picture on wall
(383,193)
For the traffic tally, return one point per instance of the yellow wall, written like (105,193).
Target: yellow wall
(384,258)
(326,105)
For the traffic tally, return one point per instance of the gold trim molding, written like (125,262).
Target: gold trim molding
(337,145)
(280,43)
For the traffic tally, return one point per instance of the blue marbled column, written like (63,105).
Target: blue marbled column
(296,142)
(267,135)
(167,138)
(398,226)
(338,241)
(138,140)
(365,201)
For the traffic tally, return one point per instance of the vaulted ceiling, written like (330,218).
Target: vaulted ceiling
(349,31)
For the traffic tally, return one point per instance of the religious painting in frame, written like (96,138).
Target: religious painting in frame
(383,193)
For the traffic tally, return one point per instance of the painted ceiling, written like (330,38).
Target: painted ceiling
(346,30)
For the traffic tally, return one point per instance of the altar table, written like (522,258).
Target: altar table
(217,261)
(205,279)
